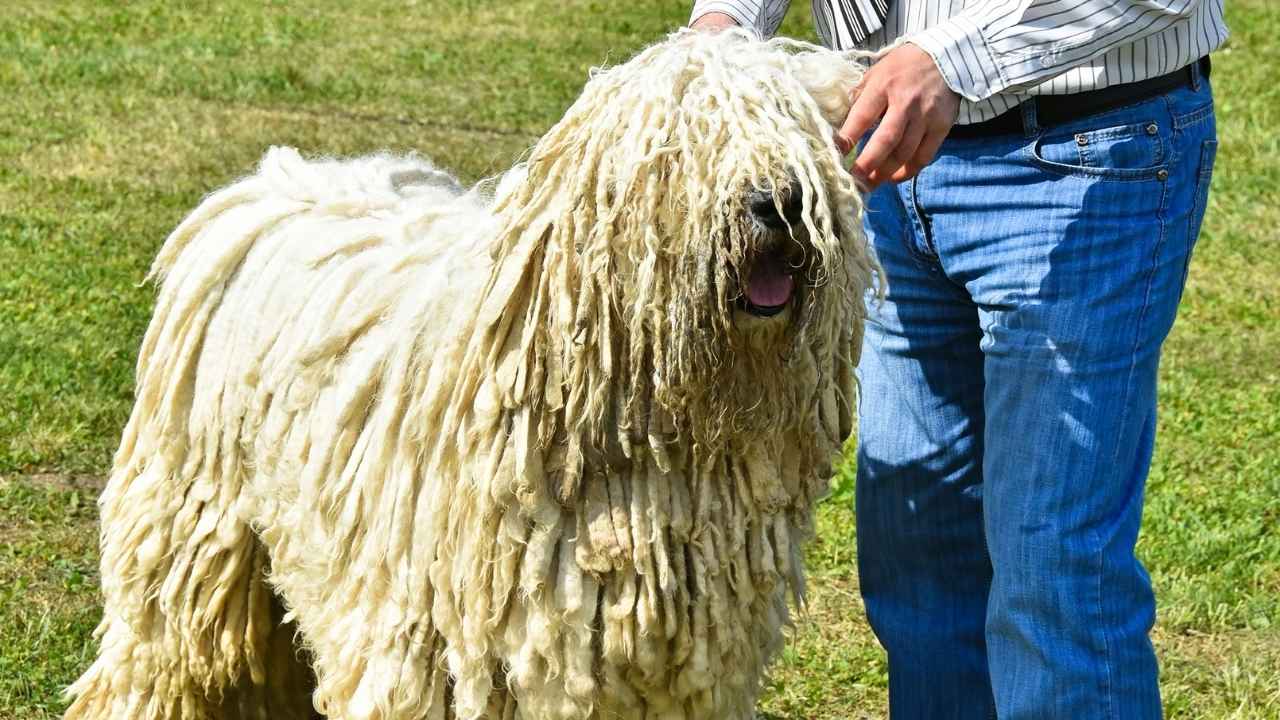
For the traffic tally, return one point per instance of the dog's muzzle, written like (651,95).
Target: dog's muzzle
(780,214)
(770,283)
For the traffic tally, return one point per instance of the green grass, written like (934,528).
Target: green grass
(118,117)
(48,598)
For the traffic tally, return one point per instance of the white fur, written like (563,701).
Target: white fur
(510,457)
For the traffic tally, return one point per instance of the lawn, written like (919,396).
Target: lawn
(118,117)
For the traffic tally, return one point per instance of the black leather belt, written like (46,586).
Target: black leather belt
(1056,109)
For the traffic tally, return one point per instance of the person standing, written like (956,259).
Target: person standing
(1038,170)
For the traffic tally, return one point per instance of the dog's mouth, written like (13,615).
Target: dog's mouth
(770,284)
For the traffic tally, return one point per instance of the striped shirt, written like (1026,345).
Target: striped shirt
(997,53)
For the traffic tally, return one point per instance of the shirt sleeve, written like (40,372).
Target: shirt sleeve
(1000,45)
(765,16)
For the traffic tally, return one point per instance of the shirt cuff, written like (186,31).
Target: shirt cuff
(961,54)
(732,9)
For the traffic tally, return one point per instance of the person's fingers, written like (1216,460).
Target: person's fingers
(883,142)
(844,146)
(928,149)
(877,178)
(929,146)
(905,151)
(924,155)
(905,172)
(868,105)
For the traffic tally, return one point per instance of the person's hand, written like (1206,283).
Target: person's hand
(903,91)
(714,21)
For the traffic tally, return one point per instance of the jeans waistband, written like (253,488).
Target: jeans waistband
(1053,110)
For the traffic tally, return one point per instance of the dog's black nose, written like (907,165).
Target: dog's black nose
(762,206)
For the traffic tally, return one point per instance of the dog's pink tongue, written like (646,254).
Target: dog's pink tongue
(769,285)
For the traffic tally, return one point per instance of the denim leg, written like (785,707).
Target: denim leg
(1009,393)
(921,555)
(1076,275)
(1071,353)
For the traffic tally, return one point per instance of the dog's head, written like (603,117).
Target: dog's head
(697,237)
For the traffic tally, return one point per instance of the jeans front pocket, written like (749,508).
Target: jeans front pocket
(1133,151)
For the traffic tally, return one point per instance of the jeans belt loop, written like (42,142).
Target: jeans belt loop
(1030,123)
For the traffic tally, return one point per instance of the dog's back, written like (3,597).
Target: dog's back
(282,298)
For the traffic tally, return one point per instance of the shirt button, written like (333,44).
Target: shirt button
(1152,128)
(1162,175)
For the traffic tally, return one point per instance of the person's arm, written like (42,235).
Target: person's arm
(1002,45)
(764,16)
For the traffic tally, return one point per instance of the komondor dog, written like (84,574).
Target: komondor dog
(545,448)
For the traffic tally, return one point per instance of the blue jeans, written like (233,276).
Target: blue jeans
(1008,411)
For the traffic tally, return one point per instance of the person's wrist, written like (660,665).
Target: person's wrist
(713,21)
(961,55)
